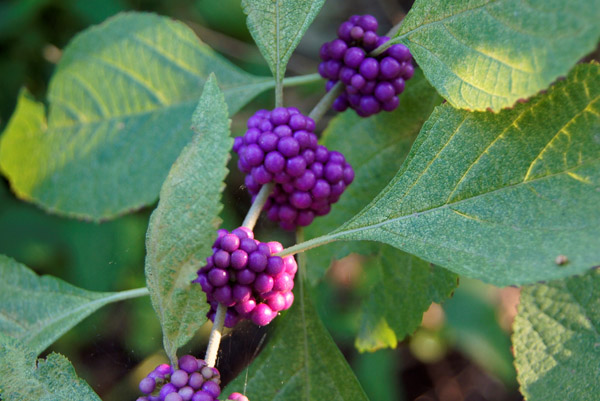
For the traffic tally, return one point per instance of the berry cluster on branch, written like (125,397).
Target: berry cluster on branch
(244,275)
(372,83)
(193,381)
(281,147)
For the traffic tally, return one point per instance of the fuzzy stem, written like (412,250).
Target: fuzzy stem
(215,336)
(326,101)
(257,205)
(390,42)
(305,246)
(302,79)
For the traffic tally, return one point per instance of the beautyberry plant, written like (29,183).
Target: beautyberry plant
(486,167)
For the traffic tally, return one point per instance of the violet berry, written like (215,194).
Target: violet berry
(192,381)
(246,282)
(347,59)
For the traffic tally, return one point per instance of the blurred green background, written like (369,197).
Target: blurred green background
(462,351)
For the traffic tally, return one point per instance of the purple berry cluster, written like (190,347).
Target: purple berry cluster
(312,194)
(193,381)
(372,83)
(281,147)
(277,147)
(243,274)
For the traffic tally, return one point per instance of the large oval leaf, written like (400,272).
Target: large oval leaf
(482,54)
(38,310)
(50,379)
(300,362)
(183,226)
(499,196)
(557,340)
(120,105)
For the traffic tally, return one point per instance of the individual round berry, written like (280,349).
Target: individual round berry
(202,396)
(263,283)
(384,91)
(212,388)
(186,393)
(400,52)
(237,397)
(179,378)
(195,381)
(188,363)
(263,315)
(147,385)
(280,116)
(239,259)
(369,68)
(354,56)
(173,397)
(166,390)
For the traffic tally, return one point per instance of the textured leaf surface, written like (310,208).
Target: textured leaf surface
(499,196)
(557,339)
(404,289)
(53,378)
(375,147)
(38,310)
(277,27)
(300,362)
(483,54)
(120,105)
(183,226)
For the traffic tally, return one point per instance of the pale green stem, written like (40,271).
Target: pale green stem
(305,246)
(122,295)
(257,206)
(390,42)
(215,336)
(279,93)
(302,79)
(326,101)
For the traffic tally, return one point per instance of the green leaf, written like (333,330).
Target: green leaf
(277,27)
(375,147)
(53,378)
(557,339)
(405,288)
(120,104)
(498,196)
(38,310)
(300,362)
(482,54)
(183,226)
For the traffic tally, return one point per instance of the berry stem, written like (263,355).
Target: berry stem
(257,206)
(306,245)
(326,101)
(215,336)
(390,42)
(302,79)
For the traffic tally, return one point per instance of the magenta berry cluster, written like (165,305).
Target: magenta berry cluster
(243,274)
(193,381)
(281,147)
(277,147)
(372,83)
(298,202)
